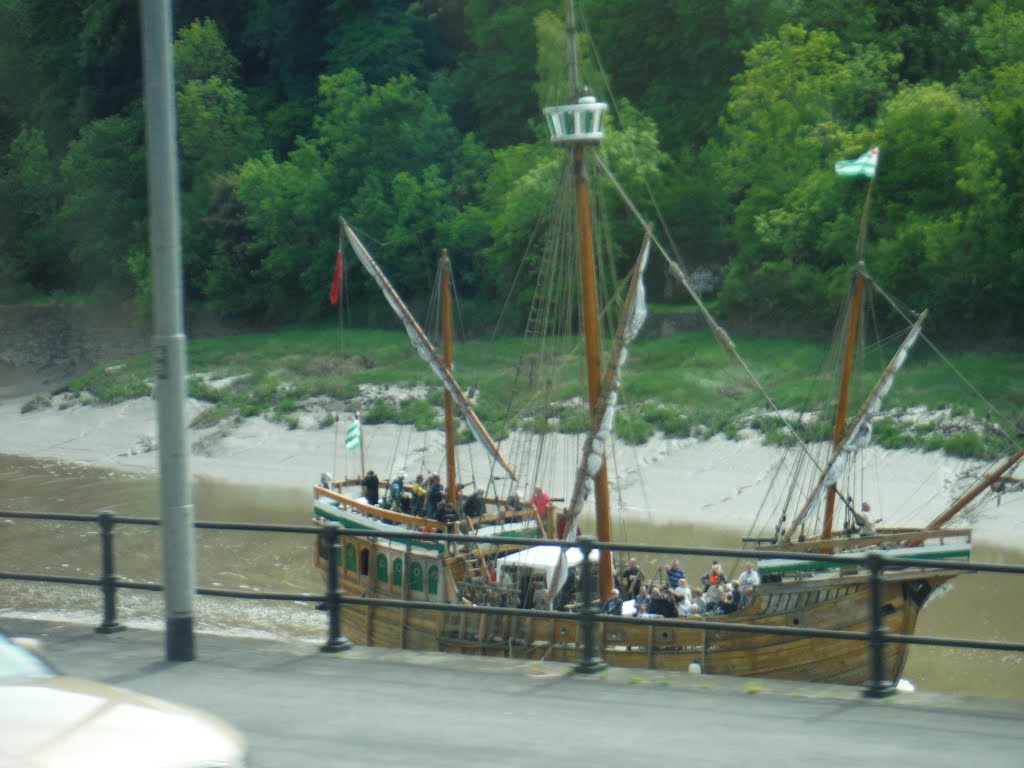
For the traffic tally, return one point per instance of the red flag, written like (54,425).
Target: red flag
(336,283)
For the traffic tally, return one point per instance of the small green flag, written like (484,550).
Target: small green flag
(865,165)
(352,435)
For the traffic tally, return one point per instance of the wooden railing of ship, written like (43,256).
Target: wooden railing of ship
(426,525)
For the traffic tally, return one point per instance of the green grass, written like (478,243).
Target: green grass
(114,384)
(683,385)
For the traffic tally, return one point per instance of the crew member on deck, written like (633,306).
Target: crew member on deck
(435,495)
(395,493)
(674,572)
(715,576)
(614,605)
(371,486)
(540,501)
(474,505)
(865,526)
(750,577)
(419,496)
(630,580)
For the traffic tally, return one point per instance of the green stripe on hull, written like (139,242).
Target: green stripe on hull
(355,526)
(768,567)
(349,524)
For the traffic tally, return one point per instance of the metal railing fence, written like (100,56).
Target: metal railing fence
(333,599)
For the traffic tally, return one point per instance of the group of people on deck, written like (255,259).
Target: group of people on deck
(718,595)
(424,497)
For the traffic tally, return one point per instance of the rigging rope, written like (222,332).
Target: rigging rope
(717,331)
(899,307)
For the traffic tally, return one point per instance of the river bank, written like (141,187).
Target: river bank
(718,481)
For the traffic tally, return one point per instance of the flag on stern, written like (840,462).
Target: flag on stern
(352,435)
(336,282)
(864,165)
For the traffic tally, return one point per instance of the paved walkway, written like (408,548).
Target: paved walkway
(376,707)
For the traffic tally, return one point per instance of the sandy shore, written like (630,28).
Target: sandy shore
(715,482)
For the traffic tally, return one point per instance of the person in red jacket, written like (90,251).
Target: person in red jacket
(540,501)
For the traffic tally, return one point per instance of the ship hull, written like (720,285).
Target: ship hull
(379,569)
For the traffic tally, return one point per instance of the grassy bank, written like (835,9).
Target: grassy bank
(681,385)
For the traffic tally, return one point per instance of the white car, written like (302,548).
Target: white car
(48,720)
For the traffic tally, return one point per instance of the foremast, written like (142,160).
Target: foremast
(577,126)
(426,350)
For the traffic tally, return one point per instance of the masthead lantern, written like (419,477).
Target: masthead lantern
(578,123)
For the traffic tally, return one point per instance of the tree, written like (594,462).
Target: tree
(950,226)
(29,197)
(103,214)
(497,71)
(377,39)
(289,211)
(381,129)
(675,59)
(999,36)
(201,53)
(406,217)
(790,115)
(232,282)
(389,150)
(217,133)
(930,36)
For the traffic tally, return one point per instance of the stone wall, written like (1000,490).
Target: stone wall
(62,340)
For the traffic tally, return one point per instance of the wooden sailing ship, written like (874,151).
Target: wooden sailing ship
(792,593)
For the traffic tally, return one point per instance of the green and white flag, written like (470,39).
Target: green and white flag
(864,165)
(352,435)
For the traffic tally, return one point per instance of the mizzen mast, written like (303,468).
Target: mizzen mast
(839,427)
(851,342)
(576,126)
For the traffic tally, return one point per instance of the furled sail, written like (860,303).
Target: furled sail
(630,323)
(633,317)
(859,434)
(426,350)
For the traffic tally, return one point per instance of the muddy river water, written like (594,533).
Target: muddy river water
(982,606)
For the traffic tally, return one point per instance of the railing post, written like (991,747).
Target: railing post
(877,686)
(108,579)
(589,663)
(336,641)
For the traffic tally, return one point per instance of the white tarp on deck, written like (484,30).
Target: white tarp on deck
(543,559)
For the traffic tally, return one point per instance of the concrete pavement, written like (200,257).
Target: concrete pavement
(377,707)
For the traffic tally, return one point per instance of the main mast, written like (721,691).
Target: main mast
(577,126)
(449,404)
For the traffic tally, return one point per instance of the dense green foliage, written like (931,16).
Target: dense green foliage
(420,123)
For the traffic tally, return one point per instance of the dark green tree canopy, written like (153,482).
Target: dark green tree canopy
(421,122)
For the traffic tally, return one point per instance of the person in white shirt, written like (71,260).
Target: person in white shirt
(750,577)
(713,595)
